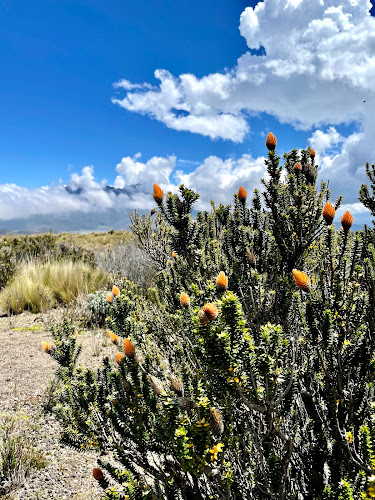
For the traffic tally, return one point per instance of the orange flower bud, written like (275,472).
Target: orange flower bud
(222,282)
(328,213)
(271,142)
(119,358)
(114,338)
(297,167)
(158,194)
(242,194)
(128,348)
(47,347)
(301,280)
(211,311)
(347,221)
(98,474)
(115,291)
(185,300)
(109,298)
(312,153)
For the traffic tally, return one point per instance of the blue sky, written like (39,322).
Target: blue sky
(61,59)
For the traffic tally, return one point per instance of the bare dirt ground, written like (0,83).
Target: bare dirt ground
(25,372)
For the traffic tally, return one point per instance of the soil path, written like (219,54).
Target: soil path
(25,372)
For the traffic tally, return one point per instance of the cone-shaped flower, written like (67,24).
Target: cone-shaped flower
(97,473)
(185,300)
(328,212)
(301,280)
(347,221)
(158,194)
(271,142)
(242,194)
(216,421)
(128,348)
(297,167)
(312,153)
(222,282)
(114,338)
(202,317)
(47,347)
(211,311)
(115,291)
(119,358)
(250,256)
(156,384)
(109,298)
(176,384)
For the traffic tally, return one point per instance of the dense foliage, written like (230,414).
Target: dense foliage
(248,370)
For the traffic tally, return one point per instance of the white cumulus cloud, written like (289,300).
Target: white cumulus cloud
(316,72)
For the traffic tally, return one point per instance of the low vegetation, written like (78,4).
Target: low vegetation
(18,453)
(40,286)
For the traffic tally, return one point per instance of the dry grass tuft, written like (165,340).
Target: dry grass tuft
(38,287)
(18,455)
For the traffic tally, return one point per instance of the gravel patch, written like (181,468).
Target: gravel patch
(25,374)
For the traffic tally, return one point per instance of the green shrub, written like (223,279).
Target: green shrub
(7,265)
(256,383)
(98,308)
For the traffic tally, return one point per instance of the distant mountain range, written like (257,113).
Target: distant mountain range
(75,222)
(129,191)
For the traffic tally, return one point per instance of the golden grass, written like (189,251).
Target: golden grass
(38,287)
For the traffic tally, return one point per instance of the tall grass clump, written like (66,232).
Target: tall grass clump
(27,292)
(67,279)
(40,286)
(248,369)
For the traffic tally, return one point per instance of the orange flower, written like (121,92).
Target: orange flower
(271,141)
(174,255)
(297,167)
(185,300)
(301,280)
(47,347)
(328,212)
(211,311)
(158,194)
(128,348)
(222,282)
(242,194)
(109,298)
(114,338)
(312,153)
(119,358)
(115,291)
(98,474)
(347,221)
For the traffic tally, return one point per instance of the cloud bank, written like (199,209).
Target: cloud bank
(89,204)
(316,72)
